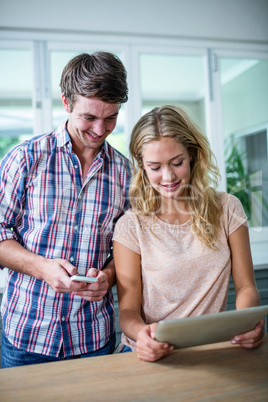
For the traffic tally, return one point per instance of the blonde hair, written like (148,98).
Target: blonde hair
(201,197)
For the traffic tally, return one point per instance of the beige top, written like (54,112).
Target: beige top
(181,277)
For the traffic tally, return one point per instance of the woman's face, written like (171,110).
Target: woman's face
(167,164)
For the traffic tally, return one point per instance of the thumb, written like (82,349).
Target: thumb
(71,269)
(93,272)
(153,330)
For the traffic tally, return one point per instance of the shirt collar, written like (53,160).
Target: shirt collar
(105,149)
(62,135)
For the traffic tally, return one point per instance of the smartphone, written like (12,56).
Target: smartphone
(80,278)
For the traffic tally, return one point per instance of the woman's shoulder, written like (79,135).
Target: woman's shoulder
(129,229)
(228,200)
(131,216)
(233,213)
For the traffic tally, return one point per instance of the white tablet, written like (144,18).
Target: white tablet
(209,328)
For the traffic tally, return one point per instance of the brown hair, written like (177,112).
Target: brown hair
(100,75)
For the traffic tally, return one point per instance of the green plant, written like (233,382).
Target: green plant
(246,188)
(238,180)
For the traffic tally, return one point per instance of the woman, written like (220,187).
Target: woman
(175,249)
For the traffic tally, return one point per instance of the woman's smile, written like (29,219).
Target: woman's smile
(171,186)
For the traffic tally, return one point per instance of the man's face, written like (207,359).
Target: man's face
(90,121)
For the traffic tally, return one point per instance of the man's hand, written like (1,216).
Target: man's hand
(56,273)
(94,291)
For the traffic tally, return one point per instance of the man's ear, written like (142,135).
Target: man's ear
(65,103)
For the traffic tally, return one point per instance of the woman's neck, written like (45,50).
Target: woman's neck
(174,211)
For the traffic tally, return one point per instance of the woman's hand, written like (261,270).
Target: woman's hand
(148,348)
(251,339)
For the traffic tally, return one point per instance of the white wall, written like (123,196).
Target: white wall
(240,20)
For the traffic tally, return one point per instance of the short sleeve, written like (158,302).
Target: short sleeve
(126,231)
(233,213)
(12,187)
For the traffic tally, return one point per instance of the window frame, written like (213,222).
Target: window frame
(131,46)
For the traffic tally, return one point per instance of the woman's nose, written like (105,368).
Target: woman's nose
(167,174)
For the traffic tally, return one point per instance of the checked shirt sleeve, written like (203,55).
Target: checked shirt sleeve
(13,174)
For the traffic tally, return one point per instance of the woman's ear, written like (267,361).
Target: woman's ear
(65,104)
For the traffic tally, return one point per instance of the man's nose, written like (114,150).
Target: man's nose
(99,127)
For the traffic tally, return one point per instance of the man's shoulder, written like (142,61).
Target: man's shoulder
(38,146)
(42,138)
(46,139)
(28,149)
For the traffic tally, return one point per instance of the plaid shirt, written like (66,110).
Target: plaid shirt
(47,208)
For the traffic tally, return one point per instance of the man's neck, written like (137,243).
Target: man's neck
(86,157)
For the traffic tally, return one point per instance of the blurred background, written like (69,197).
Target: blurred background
(208,56)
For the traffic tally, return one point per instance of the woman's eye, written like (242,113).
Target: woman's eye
(178,164)
(155,169)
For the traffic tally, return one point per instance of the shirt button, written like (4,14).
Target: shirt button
(72,258)
(62,318)
(76,227)
(76,166)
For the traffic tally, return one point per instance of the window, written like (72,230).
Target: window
(226,95)
(168,79)
(245,120)
(16,92)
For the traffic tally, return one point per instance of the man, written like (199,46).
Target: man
(60,195)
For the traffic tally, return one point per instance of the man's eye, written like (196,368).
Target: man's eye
(88,118)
